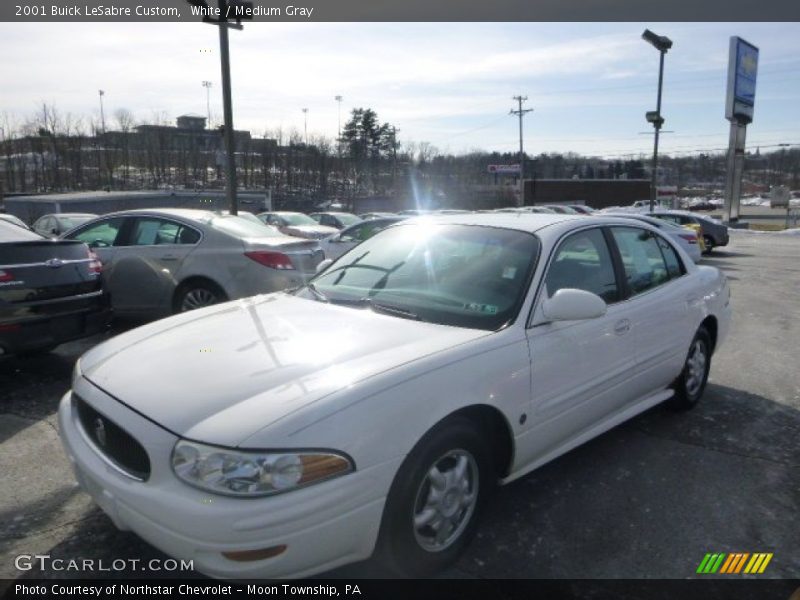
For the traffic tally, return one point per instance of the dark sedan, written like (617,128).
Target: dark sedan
(714,233)
(50,292)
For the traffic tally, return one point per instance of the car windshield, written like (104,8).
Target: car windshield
(298,219)
(243,228)
(461,275)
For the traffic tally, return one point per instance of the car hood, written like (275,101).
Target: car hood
(221,374)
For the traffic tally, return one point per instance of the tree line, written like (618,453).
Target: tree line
(51,151)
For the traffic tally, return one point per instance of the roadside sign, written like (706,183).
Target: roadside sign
(504,169)
(742,71)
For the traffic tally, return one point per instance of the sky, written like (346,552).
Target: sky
(448,84)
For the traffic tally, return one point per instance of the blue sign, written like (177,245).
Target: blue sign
(744,88)
(742,70)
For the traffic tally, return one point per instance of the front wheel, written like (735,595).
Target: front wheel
(691,382)
(433,506)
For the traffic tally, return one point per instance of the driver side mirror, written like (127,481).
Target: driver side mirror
(569,304)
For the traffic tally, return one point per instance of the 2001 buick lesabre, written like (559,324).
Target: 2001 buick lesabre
(374,409)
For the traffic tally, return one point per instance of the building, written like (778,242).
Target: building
(596,193)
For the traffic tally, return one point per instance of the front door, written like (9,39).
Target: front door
(579,368)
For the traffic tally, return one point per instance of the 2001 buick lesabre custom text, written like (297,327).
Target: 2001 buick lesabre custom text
(375,408)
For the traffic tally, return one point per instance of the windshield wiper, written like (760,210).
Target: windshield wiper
(319,295)
(394,311)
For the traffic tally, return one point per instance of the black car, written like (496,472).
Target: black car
(50,292)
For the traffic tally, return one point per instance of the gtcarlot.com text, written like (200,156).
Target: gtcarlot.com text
(43,562)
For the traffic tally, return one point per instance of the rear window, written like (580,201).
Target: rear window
(243,228)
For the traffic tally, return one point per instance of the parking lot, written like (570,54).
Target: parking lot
(647,500)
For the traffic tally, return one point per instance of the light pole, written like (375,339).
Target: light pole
(207,85)
(662,44)
(339,100)
(305,125)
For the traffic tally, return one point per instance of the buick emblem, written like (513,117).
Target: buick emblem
(54,263)
(100,431)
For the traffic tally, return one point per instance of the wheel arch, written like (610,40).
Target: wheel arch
(711,326)
(193,279)
(491,421)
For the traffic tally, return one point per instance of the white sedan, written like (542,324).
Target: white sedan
(374,409)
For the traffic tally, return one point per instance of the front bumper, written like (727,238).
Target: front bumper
(322,526)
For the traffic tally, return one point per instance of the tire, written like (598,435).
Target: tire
(709,243)
(691,383)
(197,294)
(416,509)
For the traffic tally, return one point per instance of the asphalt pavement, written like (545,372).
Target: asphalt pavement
(646,500)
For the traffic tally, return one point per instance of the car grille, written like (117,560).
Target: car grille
(113,441)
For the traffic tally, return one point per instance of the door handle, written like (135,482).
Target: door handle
(622,326)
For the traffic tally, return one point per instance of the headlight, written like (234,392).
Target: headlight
(253,473)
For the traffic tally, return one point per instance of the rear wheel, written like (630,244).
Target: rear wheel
(433,506)
(197,294)
(691,383)
(709,243)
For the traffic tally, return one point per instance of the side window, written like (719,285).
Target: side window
(327,220)
(44,225)
(101,234)
(151,231)
(674,264)
(583,262)
(317,218)
(641,256)
(187,235)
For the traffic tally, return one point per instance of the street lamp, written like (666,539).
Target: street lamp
(305,124)
(339,100)
(662,44)
(102,114)
(207,85)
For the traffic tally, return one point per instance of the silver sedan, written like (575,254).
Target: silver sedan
(162,261)
(685,238)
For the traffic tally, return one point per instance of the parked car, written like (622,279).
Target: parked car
(451,211)
(53,225)
(376,407)
(297,225)
(50,292)
(562,209)
(248,216)
(347,238)
(715,233)
(582,209)
(7,218)
(686,238)
(376,215)
(163,261)
(541,210)
(414,212)
(337,220)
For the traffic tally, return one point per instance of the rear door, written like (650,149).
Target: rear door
(659,302)
(148,261)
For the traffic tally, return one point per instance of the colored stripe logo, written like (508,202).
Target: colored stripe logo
(734,563)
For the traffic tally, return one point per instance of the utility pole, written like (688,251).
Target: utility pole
(521,113)
(207,85)
(394,154)
(305,125)
(236,10)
